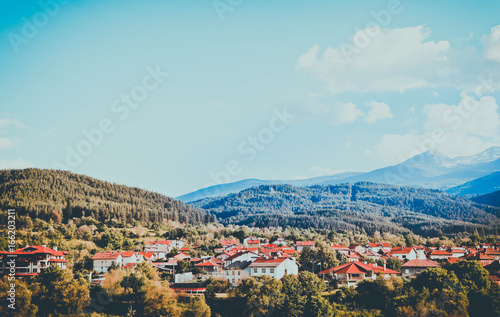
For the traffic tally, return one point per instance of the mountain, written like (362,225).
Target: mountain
(480,186)
(430,169)
(38,192)
(364,205)
(230,188)
(492,199)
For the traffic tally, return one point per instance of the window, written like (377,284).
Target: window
(263,270)
(239,273)
(255,270)
(407,271)
(272,270)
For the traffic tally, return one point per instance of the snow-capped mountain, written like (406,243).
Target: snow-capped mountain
(431,169)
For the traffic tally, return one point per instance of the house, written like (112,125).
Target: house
(209,266)
(30,260)
(226,243)
(440,255)
(493,253)
(300,245)
(103,260)
(371,255)
(481,257)
(340,248)
(377,246)
(358,248)
(403,254)
(241,257)
(352,257)
(253,241)
(162,247)
(182,257)
(237,272)
(275,267)
(280,242)
(350,274)
(414,267)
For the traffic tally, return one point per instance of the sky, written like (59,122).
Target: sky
(172,96)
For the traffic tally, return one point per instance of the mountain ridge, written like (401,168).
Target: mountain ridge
(430,169)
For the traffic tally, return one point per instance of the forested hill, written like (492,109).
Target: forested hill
(363,205)
(38,192)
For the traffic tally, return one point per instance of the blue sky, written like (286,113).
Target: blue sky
(255,89)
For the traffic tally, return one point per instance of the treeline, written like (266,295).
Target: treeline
(368,206)
(37,193)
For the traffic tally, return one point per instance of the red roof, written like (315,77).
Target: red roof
(109,255)
(305,243)
(420,263)
(130,265)
(229,242)
(167,242)
(184,249)
(349,268)
(36,249)
(380,269)
(441,252)
(207,264)
(265,262)
(127,254)
(380,244)
(338,246)
(400,250)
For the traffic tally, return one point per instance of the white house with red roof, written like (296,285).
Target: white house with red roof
(377,246)
(440,255)
(414,267)
(300,245)
(275,267)
(103,260)
(30,260)
(350,274)
(162,247)
(340,248)
(403,254)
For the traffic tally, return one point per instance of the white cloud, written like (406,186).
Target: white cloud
(345,113)
(491,43)
(15,164)
(394,60)
(463,129)
(379,110)
(348,143)
(6,143)
(6,122)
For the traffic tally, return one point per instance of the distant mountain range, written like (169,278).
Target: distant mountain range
(361,206)
(492,199)
(430,169)
(479,186)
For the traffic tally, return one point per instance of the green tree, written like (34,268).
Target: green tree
(23,305)
(259,295)
(57,292)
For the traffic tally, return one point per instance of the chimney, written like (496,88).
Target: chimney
(44,245)
(384,266)
(55,248)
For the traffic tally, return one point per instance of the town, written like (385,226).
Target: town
(255,257)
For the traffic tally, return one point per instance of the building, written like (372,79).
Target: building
(377,246)
(340,248)
(30,260)
(481,257)
(276,267)
(103,260)
(440,255)
(300,245)
(412,268)
(162,247)
(350,274)
(403,254)
(237,272)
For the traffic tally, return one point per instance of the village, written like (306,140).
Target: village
(235,261)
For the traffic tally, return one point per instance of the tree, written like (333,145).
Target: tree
(57,292)
(23,305)
(197,307)
(259,295)
(393,264)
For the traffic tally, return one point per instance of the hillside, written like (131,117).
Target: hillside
(492,199)
(430,169)
(37,192)
(480,186)
(363,205)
